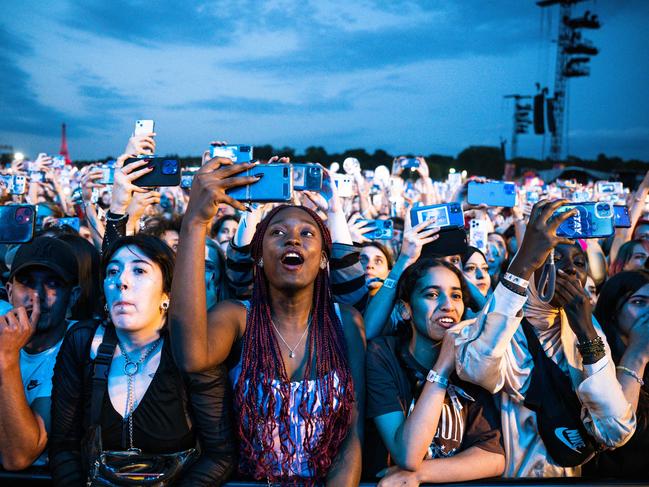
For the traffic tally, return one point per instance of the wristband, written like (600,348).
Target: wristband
(632,373)
(519,281)
(513,288)
(435,378)
(592,347)
(389,283)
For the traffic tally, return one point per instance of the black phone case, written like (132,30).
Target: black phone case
(451,241)
(157,177)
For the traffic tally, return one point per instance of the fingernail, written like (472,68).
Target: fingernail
(259,176)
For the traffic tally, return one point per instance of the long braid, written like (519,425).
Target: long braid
(261,363)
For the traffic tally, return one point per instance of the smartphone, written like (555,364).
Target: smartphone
(72,222)
(532,197)
(58,162)
(17,223)
(31,166)
(19,184)
(236,153)
(380,229)
(166,172)
(411,163)
(37,177)
(621,218)
(478,233)
(344,185)
(451,241)
(609,187)
(446,215)
(186,179)
(307,177)
(108,175)
(276,184)
(454,179)
(144,127)
(492,193)
(593,220)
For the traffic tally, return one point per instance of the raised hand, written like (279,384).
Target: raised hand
(123,187)
(141,144)
(540,237)
(415,238)
(209,189)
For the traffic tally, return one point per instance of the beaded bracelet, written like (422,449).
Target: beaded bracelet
(590,347)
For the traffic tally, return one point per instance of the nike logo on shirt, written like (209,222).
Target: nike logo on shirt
(571,438)
(33,384)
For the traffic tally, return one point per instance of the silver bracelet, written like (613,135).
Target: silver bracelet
(632,373)
(119,219)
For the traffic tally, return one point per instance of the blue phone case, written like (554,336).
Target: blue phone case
(17,223)
(446,215)
(621,218)
(594,220)
(492,193)
(275,184)
(381,229)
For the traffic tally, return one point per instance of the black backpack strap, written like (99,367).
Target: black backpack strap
(100,370)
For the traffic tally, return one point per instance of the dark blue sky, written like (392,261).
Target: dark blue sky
(422,76)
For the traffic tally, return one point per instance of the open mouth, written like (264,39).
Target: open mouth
(292,258)
(445,321)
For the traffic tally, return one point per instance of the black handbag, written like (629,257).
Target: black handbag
(128,467)
(557,408)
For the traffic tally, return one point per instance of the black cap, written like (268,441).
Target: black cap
(48,252)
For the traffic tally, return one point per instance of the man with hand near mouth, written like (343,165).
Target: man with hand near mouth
(42,287)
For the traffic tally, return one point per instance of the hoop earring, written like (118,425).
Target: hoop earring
(260,262)
(164,306)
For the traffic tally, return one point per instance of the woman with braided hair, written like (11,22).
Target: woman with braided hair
(298,358)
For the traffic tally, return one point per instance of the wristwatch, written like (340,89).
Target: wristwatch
(434,377)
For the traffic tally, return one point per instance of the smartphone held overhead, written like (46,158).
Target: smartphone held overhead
(492,193)
(164,171)
(17,223)
(275,184)
(593,219)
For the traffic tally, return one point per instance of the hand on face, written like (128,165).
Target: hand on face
(16,329)
(571,296)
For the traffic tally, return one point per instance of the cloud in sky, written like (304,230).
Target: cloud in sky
(407,76)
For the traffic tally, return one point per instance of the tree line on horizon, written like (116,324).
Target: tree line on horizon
(486,161)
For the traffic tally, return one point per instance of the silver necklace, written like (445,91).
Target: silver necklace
(291,351)
(131,368)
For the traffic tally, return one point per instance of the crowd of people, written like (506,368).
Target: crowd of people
(176,335)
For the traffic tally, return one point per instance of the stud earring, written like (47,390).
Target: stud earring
(260,263)
(323,264)
(164,306)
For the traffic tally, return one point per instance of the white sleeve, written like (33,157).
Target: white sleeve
(481,348)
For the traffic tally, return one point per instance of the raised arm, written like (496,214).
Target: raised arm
(196,345)
(481,355)
(380,307)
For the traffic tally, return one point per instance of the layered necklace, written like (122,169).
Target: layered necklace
(131,368)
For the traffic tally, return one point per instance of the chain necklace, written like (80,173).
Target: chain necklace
(291,350)
(131,368)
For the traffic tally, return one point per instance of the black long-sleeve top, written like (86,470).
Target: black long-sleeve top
(160,421)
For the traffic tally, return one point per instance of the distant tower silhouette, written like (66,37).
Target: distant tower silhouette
(64,145)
